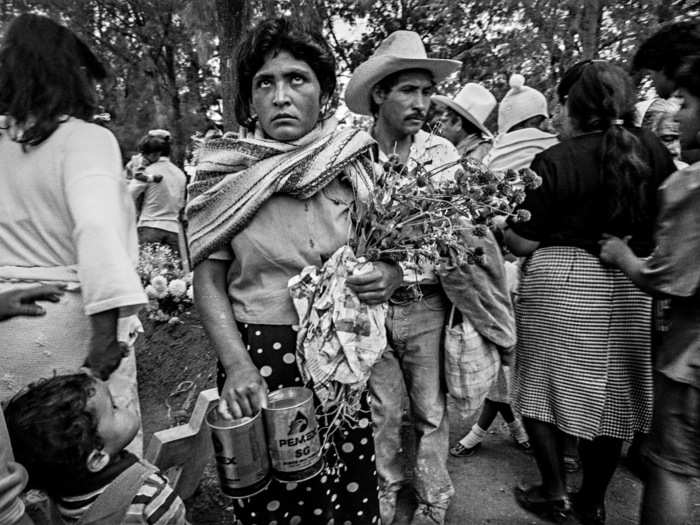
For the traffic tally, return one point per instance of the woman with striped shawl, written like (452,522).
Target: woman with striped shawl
(261,209)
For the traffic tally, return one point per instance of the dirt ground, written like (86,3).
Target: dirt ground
(169,355)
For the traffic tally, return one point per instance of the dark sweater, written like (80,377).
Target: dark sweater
(569,208)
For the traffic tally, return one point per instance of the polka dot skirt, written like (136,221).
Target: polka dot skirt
(345,492)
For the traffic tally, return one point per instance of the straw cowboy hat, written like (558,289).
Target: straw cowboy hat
(399,51)
(474,102)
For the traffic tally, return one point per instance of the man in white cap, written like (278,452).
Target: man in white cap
(394,86)
(463,117)
(521,114)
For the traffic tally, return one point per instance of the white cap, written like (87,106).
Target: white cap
(520,103)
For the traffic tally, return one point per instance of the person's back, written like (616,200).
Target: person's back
(521,113)
(65,215)
(574,194)
(37,227)
(516,149)
(162,188)
(163,201)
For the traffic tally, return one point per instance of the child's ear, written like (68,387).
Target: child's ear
(97,460)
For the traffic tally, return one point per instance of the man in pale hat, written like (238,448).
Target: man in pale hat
(394,86)
(463,117)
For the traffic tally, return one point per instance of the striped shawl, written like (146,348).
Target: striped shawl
(235,177)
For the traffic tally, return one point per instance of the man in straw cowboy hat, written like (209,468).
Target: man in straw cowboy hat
(394,86)
(463,117)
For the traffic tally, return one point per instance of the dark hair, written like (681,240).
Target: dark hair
(688,75)
(666,49)
(51,429)
(387,83)
(531,122)
(46,73)
(155,144)
(270,37)
(600,96)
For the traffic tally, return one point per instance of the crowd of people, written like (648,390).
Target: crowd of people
(599,337)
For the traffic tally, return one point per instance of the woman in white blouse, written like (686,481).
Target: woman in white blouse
(65,214)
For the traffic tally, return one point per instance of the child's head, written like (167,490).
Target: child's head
(65,426)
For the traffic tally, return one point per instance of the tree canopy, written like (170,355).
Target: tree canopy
(172,60)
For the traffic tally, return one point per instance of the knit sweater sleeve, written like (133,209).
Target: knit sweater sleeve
(156,503)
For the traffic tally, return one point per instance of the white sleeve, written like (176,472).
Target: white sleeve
(103,216)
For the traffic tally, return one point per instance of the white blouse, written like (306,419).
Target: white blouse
(65,209)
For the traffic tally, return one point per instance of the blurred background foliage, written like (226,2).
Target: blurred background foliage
(171,60)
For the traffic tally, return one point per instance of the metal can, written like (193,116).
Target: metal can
(292,434)
(241,455)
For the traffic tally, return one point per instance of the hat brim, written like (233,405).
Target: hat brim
(366,76)
(462,112)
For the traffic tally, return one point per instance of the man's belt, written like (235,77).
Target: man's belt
(414,292)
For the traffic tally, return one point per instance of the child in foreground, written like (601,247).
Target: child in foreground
(71,437)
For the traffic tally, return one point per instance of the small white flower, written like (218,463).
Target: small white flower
(160,284)
(151,292)
(177,287)
(190,293)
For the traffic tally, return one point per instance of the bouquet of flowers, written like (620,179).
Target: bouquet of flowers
(168,287)
(411,217)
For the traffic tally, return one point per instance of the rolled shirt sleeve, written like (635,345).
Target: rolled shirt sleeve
(104,231)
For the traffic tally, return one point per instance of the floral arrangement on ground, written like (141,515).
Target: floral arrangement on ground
(167,285)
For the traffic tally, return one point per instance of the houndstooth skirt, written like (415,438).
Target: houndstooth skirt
(583,359)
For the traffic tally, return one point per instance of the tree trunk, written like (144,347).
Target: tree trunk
(589,30)
(233,17)
(179,139)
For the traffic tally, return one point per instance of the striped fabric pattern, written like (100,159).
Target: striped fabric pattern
(155,504)
(583,359)
(72,508)
(234,178)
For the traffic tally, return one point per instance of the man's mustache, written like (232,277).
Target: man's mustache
(419,116)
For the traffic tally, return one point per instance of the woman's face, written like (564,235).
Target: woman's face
(286,97)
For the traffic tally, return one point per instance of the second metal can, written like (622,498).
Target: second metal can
(293,440)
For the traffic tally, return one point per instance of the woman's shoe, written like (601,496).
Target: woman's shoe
(460,451)
(587,514)
(556,510)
